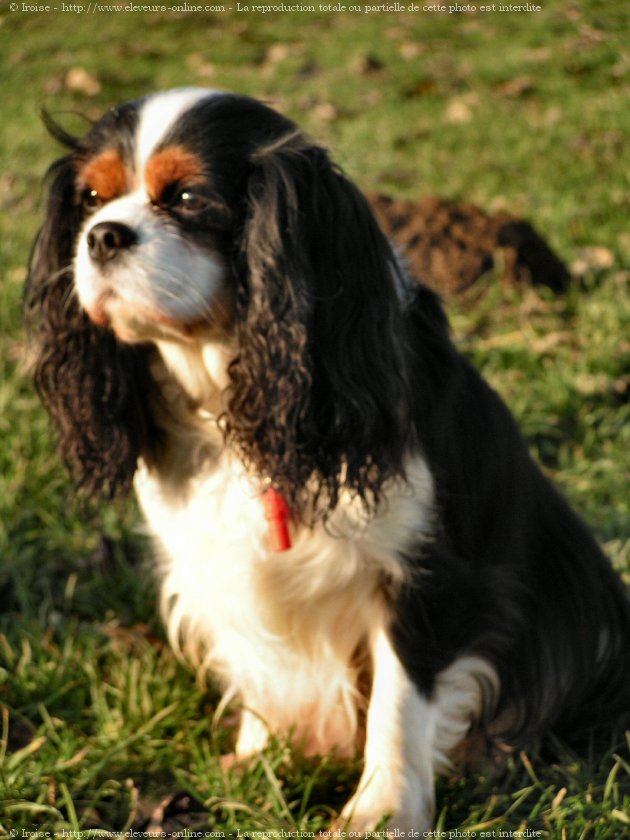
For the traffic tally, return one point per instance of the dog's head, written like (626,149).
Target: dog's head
(200,217)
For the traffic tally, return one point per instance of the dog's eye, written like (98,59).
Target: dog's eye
(189,201)
(90,199)
(182,200)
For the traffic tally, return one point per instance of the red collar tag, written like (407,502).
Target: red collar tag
(277,514)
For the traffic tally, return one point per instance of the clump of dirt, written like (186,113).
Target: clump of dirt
(450,245)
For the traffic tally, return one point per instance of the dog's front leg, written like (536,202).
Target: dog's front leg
(397,779)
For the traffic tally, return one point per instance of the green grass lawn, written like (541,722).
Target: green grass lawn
(99,723)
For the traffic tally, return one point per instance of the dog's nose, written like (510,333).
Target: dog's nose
(107,240)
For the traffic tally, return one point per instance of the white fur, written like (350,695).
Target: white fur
(397,779)
(410,737)
(465,692)
(280,629)
(159,113)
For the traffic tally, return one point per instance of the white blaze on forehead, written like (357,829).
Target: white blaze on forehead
(159,113)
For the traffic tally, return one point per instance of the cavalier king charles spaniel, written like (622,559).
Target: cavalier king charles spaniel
(351,535)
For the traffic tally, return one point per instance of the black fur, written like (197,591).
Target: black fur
(311,397)
(95,388)
(341,367)
(514,575)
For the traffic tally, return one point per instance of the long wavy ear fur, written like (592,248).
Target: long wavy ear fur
(94,388)
(319,385)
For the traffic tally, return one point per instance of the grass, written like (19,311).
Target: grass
(100,725)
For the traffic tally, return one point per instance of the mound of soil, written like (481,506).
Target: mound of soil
(450,245)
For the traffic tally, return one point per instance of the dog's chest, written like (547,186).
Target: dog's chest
(229,598)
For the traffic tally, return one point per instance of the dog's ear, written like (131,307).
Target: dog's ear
(319,384)
(94,388)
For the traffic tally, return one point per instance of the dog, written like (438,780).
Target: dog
(352,537)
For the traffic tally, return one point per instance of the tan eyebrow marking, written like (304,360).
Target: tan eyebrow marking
(169,166)
(106,174)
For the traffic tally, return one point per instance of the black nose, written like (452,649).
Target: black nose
(107,240)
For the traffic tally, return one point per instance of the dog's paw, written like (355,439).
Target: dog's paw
(386,810)
(360,825)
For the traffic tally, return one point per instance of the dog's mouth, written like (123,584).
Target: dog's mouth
(134,321)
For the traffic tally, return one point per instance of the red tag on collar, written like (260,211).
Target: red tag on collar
(277,514)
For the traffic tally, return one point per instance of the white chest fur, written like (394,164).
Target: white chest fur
(280,629)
